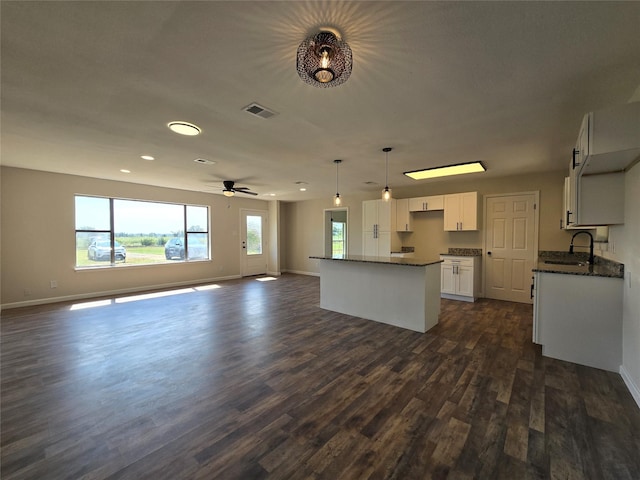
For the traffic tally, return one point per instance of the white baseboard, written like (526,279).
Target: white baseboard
(274,274)
(300,272)
(108,293)
(633,388)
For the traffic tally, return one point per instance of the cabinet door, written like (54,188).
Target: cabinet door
(417,204)
(369,215)
(452,212)
(464,280)
(384,244)
(384,215)
(434,202)
(369,245)
(403,218)
(447,278)
(469,211)
(582,144)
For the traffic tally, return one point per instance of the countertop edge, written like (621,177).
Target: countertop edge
(405,262)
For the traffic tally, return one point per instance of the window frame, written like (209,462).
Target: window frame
(112,234)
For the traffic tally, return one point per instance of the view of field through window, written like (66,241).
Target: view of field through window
(143,232)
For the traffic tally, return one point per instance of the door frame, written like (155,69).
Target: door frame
(536,227)
(265,237)
(326,229)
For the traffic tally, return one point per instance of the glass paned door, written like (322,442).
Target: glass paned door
(254,242)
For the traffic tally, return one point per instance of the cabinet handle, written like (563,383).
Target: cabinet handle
(533,281)
(568,215)
(575,152)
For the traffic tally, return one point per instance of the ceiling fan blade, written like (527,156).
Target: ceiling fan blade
(238,190)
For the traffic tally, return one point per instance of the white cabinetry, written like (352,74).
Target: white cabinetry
(578,318)
(426,204)
(592,200)
(460,278)
(461,211)
(378,217)
(403,217)
(608,140)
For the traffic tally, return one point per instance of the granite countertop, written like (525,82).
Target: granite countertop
(463,252)
(409,262)
(601,267)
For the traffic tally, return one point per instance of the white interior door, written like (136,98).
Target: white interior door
(254,237)
(510,245)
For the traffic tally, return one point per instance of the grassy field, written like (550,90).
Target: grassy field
(135,256)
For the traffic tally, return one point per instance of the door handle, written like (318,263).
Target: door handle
(489,253)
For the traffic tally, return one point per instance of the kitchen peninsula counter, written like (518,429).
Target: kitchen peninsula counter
(404,292)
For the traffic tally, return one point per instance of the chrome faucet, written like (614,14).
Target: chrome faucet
(590,245)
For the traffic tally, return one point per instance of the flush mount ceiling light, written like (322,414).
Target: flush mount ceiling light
(324,60)
(386,191)
(147,157)
(184,128)
(459,169)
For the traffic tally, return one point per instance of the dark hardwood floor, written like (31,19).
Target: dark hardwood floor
(253,380)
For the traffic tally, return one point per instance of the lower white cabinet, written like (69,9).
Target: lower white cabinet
(460,278)
(578,318)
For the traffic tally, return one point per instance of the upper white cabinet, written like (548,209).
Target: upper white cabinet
(403,217)
(608,140)
(426,204)
(461,211)
(593,200)
(378,221)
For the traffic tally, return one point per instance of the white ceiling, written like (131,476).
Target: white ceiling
(88,87)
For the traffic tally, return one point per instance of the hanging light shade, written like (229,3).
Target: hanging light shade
(386,192)
(324,60)
(337,201)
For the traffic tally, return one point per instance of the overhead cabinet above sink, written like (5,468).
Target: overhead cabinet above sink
(608,140)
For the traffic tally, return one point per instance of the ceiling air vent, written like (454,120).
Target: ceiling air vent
(259,111)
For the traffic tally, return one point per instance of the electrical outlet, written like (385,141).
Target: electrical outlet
(53,283)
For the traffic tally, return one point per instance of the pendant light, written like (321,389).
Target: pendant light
(386,192)
(337,201)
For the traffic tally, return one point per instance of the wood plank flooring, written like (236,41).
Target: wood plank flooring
(253,380)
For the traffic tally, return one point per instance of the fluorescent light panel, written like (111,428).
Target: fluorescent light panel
(472,167)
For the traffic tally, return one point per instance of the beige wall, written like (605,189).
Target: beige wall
(38,238)
(303,220)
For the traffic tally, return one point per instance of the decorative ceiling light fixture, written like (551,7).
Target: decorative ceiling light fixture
(184,128)
(337,201)
(324,60)
(459,169)
(386,192)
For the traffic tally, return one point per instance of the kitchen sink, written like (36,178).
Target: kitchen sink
(566,262)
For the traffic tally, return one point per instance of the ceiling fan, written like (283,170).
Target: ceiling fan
(230,191)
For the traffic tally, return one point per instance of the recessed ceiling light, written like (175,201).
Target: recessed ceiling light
(184,128)
(204,161)
(124,170)
(147,157)
(303,189)
(270,194)
(462,168)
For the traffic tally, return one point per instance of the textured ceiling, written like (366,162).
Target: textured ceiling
(88,87)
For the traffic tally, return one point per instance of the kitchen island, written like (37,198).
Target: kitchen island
(404,292)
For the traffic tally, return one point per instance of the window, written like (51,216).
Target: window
(254,235)
(337,239)
(112,231)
